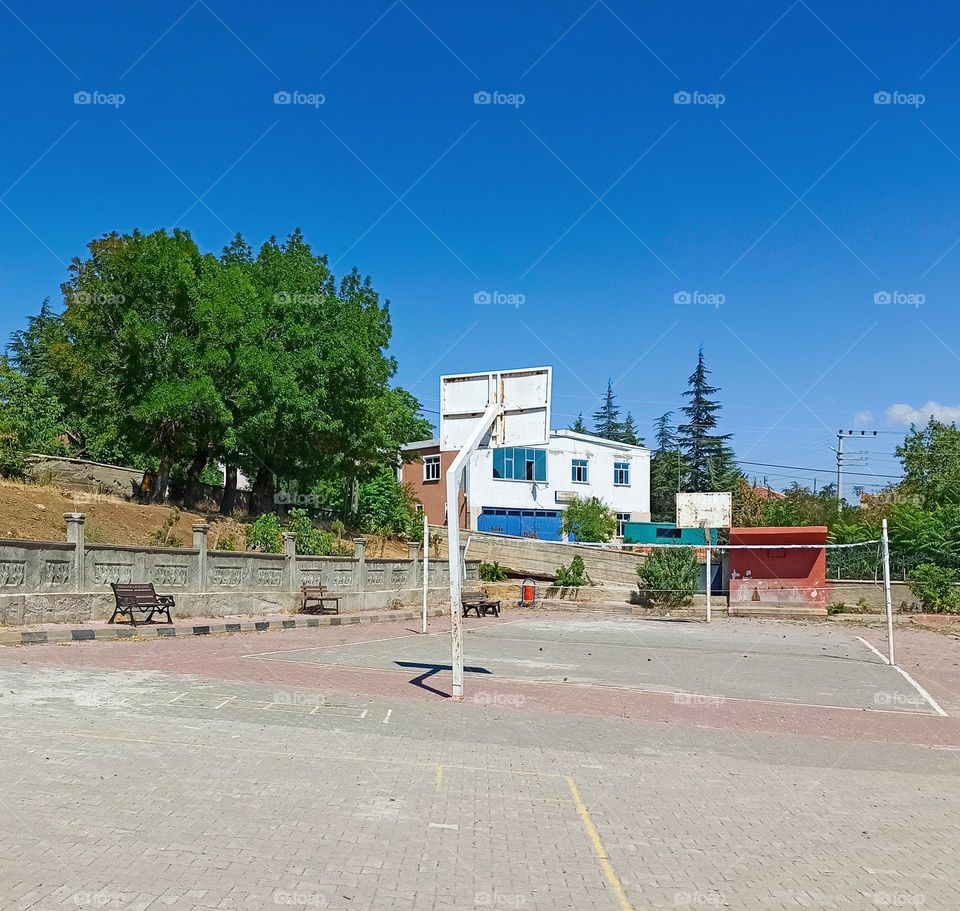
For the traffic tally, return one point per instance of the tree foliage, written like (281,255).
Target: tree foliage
(590,519)
(606,419)
(670,576)
(931,464)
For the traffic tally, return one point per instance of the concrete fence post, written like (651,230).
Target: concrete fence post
(77,537)
(200,531)
(290,552)
(360,555)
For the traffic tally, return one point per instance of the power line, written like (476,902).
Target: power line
(865,474)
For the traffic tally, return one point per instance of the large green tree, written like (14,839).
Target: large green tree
(667,471)
(931,464)
(710,463)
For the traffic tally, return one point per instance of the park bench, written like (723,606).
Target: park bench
(316,598)
(140,597)
(480,603)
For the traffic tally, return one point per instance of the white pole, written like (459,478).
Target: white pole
(709,575)
(426,566)
(453,543)
(888,599)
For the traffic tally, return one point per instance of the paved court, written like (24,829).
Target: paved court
(181,774)
(764,663)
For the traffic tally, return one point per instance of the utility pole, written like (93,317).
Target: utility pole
(841,435)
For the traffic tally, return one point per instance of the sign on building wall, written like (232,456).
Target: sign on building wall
(705,510)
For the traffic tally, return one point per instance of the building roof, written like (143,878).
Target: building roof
(563,434)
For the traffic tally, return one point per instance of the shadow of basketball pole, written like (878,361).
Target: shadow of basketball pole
(430,669)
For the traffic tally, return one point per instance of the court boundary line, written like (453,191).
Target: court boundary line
(616,686)
(876,651)
(930,700)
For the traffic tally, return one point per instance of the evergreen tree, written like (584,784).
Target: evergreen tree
(578,425)
(667,471)
(606,421)
(628,434)
(710,460)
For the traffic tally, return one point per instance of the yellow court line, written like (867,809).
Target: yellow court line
(439,775)
(598,848)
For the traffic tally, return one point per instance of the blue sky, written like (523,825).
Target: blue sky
(783,190)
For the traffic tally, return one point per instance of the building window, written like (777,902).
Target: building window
(673,533)
(621,474)
(622,519)
(431,468)
(578,472)
(515,464)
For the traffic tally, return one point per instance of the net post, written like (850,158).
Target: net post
(887,597)
(709,586)
(426,566)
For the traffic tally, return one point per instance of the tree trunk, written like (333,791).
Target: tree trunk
(261,495)
(192,494)
(229,490)
(163,480)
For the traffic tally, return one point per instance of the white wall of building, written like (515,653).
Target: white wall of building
(565,446)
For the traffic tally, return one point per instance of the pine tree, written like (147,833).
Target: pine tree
(628,433)
(578,425)
(710,459)
(606,421)
(667,471)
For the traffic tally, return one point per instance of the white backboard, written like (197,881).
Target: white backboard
(524,394)
(704,510)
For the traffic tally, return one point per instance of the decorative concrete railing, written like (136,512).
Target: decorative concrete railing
(45,580)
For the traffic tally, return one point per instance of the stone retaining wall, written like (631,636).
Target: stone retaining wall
(43,581)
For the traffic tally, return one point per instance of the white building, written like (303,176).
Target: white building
(523,490)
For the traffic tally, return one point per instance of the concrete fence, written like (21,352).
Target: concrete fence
(44,581)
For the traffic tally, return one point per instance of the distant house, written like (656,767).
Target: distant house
(523,491)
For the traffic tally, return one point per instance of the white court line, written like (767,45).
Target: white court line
(176,698)
(363,714)
(932,702)
(876,652)
(387,719)
(921,691)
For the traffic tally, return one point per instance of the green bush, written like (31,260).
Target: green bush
(387,507)
(310,541)
(670,576)
(572,576)
(935,587)
(264,534)
(589,519)
(492,572)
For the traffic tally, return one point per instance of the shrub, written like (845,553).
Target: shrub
(164,536)
(589,519)
(310,541)
(572,576)
(387,507)
(264,534)
(492,572)
(935,587)
(670,576)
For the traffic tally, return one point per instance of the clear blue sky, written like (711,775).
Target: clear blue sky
(500,197)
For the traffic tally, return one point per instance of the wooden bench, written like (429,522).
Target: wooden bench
(316,598)
(142,597)
(479,603)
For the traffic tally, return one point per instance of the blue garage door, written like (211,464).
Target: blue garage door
(521,523)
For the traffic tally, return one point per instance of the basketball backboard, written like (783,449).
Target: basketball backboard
(524,394)
(704,510)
